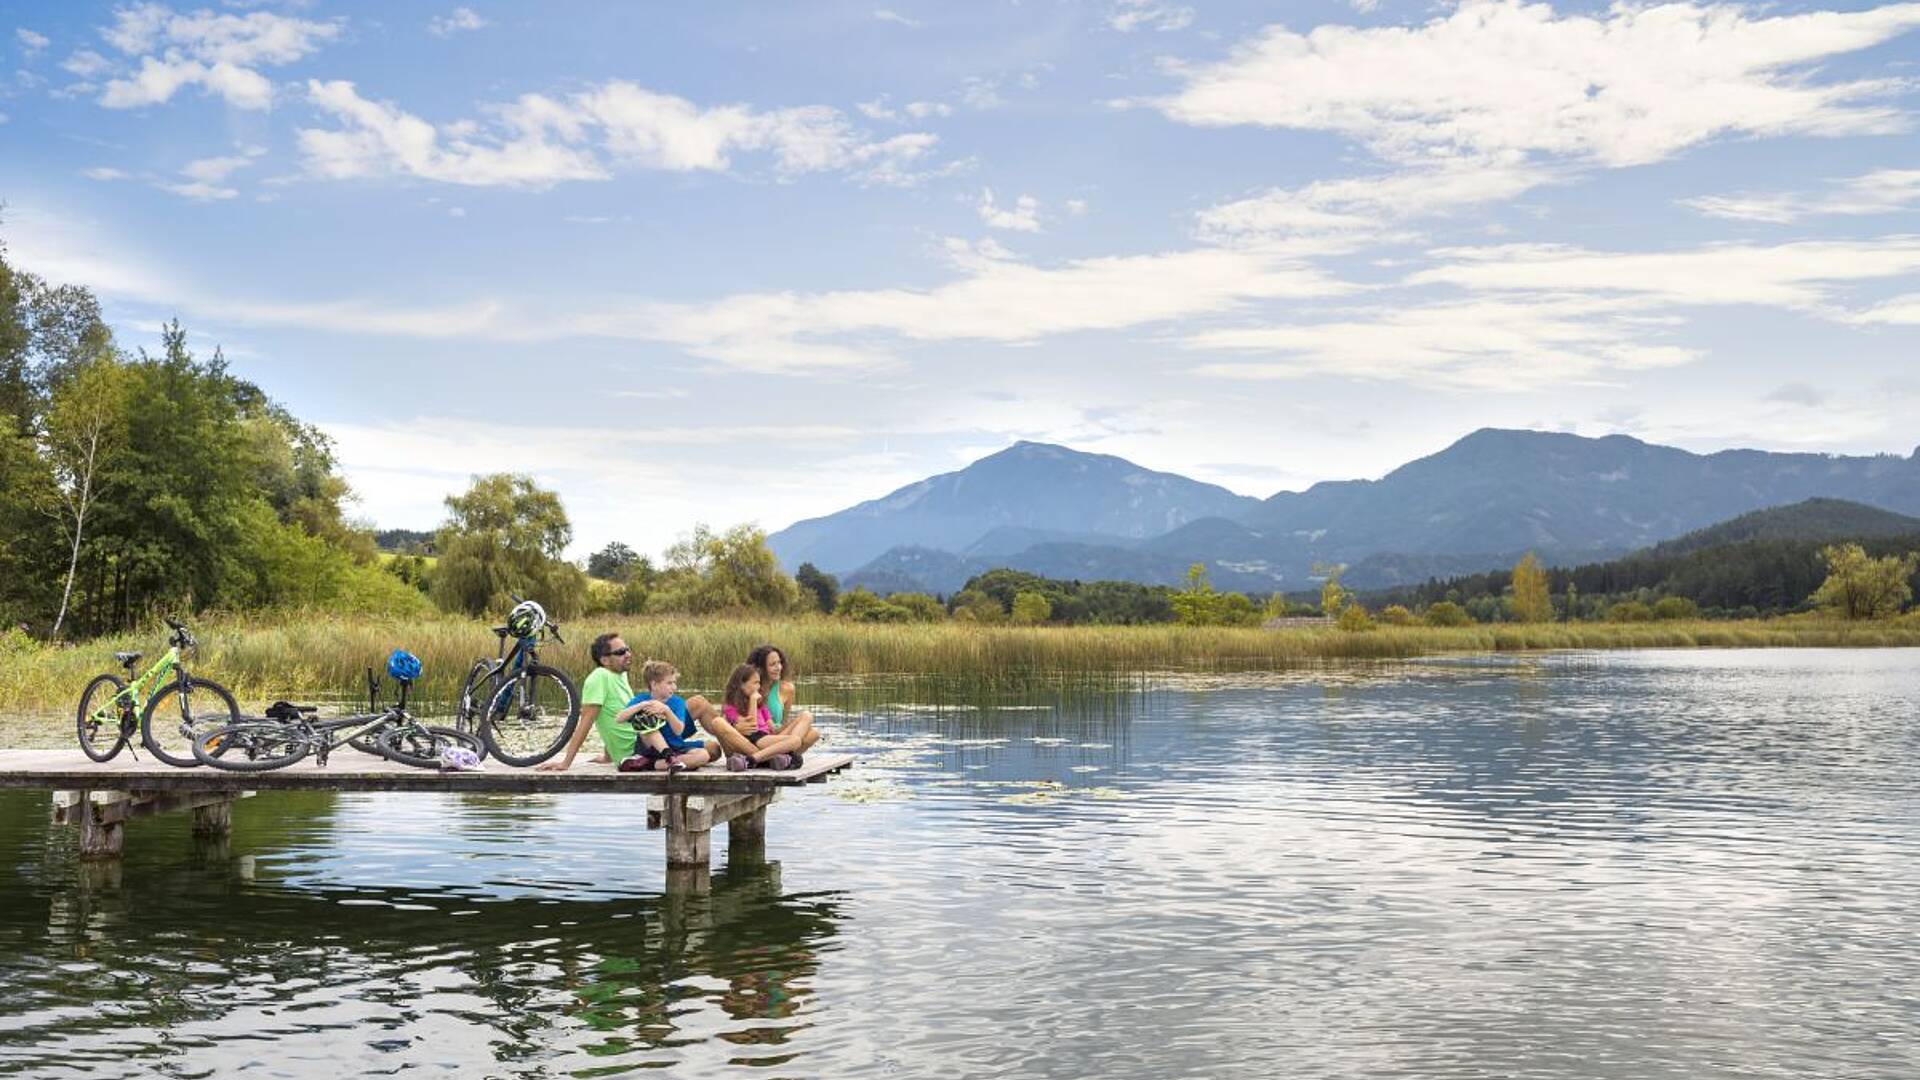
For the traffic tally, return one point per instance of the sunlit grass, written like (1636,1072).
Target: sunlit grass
(261,658)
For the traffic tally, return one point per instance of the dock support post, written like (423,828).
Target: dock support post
(747,838)
(213,820)
(102,829)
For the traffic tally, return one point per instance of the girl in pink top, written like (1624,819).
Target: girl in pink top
(747,711)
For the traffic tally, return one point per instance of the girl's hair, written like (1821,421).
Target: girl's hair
(758,658)
(601,646)
(736,694)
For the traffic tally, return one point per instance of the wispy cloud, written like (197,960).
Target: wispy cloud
(30,42)
(538,141)
(889,15)
(458,20)
(1883,191)
(1127,16)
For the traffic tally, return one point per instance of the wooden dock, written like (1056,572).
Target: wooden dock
(100,798)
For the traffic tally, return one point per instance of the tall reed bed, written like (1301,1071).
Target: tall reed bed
(261,658)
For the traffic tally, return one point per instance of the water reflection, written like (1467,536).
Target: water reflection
(1646,865)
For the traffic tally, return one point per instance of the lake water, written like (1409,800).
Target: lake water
(1664,864)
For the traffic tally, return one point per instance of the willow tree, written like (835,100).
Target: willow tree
(505,537)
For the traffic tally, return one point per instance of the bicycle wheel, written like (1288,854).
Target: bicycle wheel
(531,716)
(419,745)
(202,707)
(252,746)
(482,682)
(98,718)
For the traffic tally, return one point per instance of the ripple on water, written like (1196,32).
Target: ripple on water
(1645,865)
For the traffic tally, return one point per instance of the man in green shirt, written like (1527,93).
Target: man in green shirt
(603,704)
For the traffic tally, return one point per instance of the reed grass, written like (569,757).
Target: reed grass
(261,658)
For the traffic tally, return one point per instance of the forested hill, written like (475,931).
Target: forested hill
(1810,519)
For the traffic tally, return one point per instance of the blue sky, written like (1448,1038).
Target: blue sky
(759,261)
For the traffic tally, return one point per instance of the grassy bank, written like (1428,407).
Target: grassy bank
(261,658)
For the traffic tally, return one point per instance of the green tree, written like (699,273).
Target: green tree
(1333,595)
(972,605)
(1397,615)
(822,588)
(1859,586)
(860,605)
(919,606)
(616,563)
(82,429)
(1031,609)
(505,536)
(1675,607)
(1198,604)
(1629,611)
(1447,613)
(1532,599)
(708,572)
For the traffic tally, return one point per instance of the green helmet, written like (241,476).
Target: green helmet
(526,619)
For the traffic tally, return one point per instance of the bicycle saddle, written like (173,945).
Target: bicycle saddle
(501,631)
(126,658)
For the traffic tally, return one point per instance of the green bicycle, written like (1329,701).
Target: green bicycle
(112,708)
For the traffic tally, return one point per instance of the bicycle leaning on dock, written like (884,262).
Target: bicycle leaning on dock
(112,708)
(290,732)
(523,710)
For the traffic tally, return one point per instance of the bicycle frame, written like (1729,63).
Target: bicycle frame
(129,702)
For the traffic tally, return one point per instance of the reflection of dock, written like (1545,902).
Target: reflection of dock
(101,798)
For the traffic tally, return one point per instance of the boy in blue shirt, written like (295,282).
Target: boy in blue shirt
(663,704)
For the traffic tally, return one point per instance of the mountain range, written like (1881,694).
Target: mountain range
(1478,504)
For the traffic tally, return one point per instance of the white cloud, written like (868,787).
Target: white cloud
(1076,207)
(1884,191)
(920,110)
(1127,16)
(206,178)
(1798,275)
(216,52)
(86,64)
(995,298)
(104,173)
(1022,216)
(1503,81)
(881,109)
(886,15)
(1360,207)
(1480,344)
(459,19)
(30,42)
(538,141)
(379,139)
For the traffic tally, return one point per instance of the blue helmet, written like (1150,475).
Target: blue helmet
(403,666)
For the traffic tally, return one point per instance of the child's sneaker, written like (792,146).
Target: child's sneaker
(738,763)
(779,762)
(797,760)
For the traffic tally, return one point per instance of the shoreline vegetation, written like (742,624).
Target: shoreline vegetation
(261,658)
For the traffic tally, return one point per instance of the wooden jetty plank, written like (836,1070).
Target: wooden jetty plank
(352,771)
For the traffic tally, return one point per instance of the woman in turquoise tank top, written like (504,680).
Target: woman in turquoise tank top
(772,662)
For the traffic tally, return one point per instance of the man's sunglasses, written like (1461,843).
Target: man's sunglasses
(619,652)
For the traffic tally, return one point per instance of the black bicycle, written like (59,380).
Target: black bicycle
(523,710)
(290,732)
(112,708)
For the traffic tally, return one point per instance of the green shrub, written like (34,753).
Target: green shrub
(1630,611)
(1675,607)
(919,606)
(1354,618)
(1031,609)
(1397,615)
(1448,613)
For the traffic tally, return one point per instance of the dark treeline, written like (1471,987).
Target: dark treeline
(1745,579)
